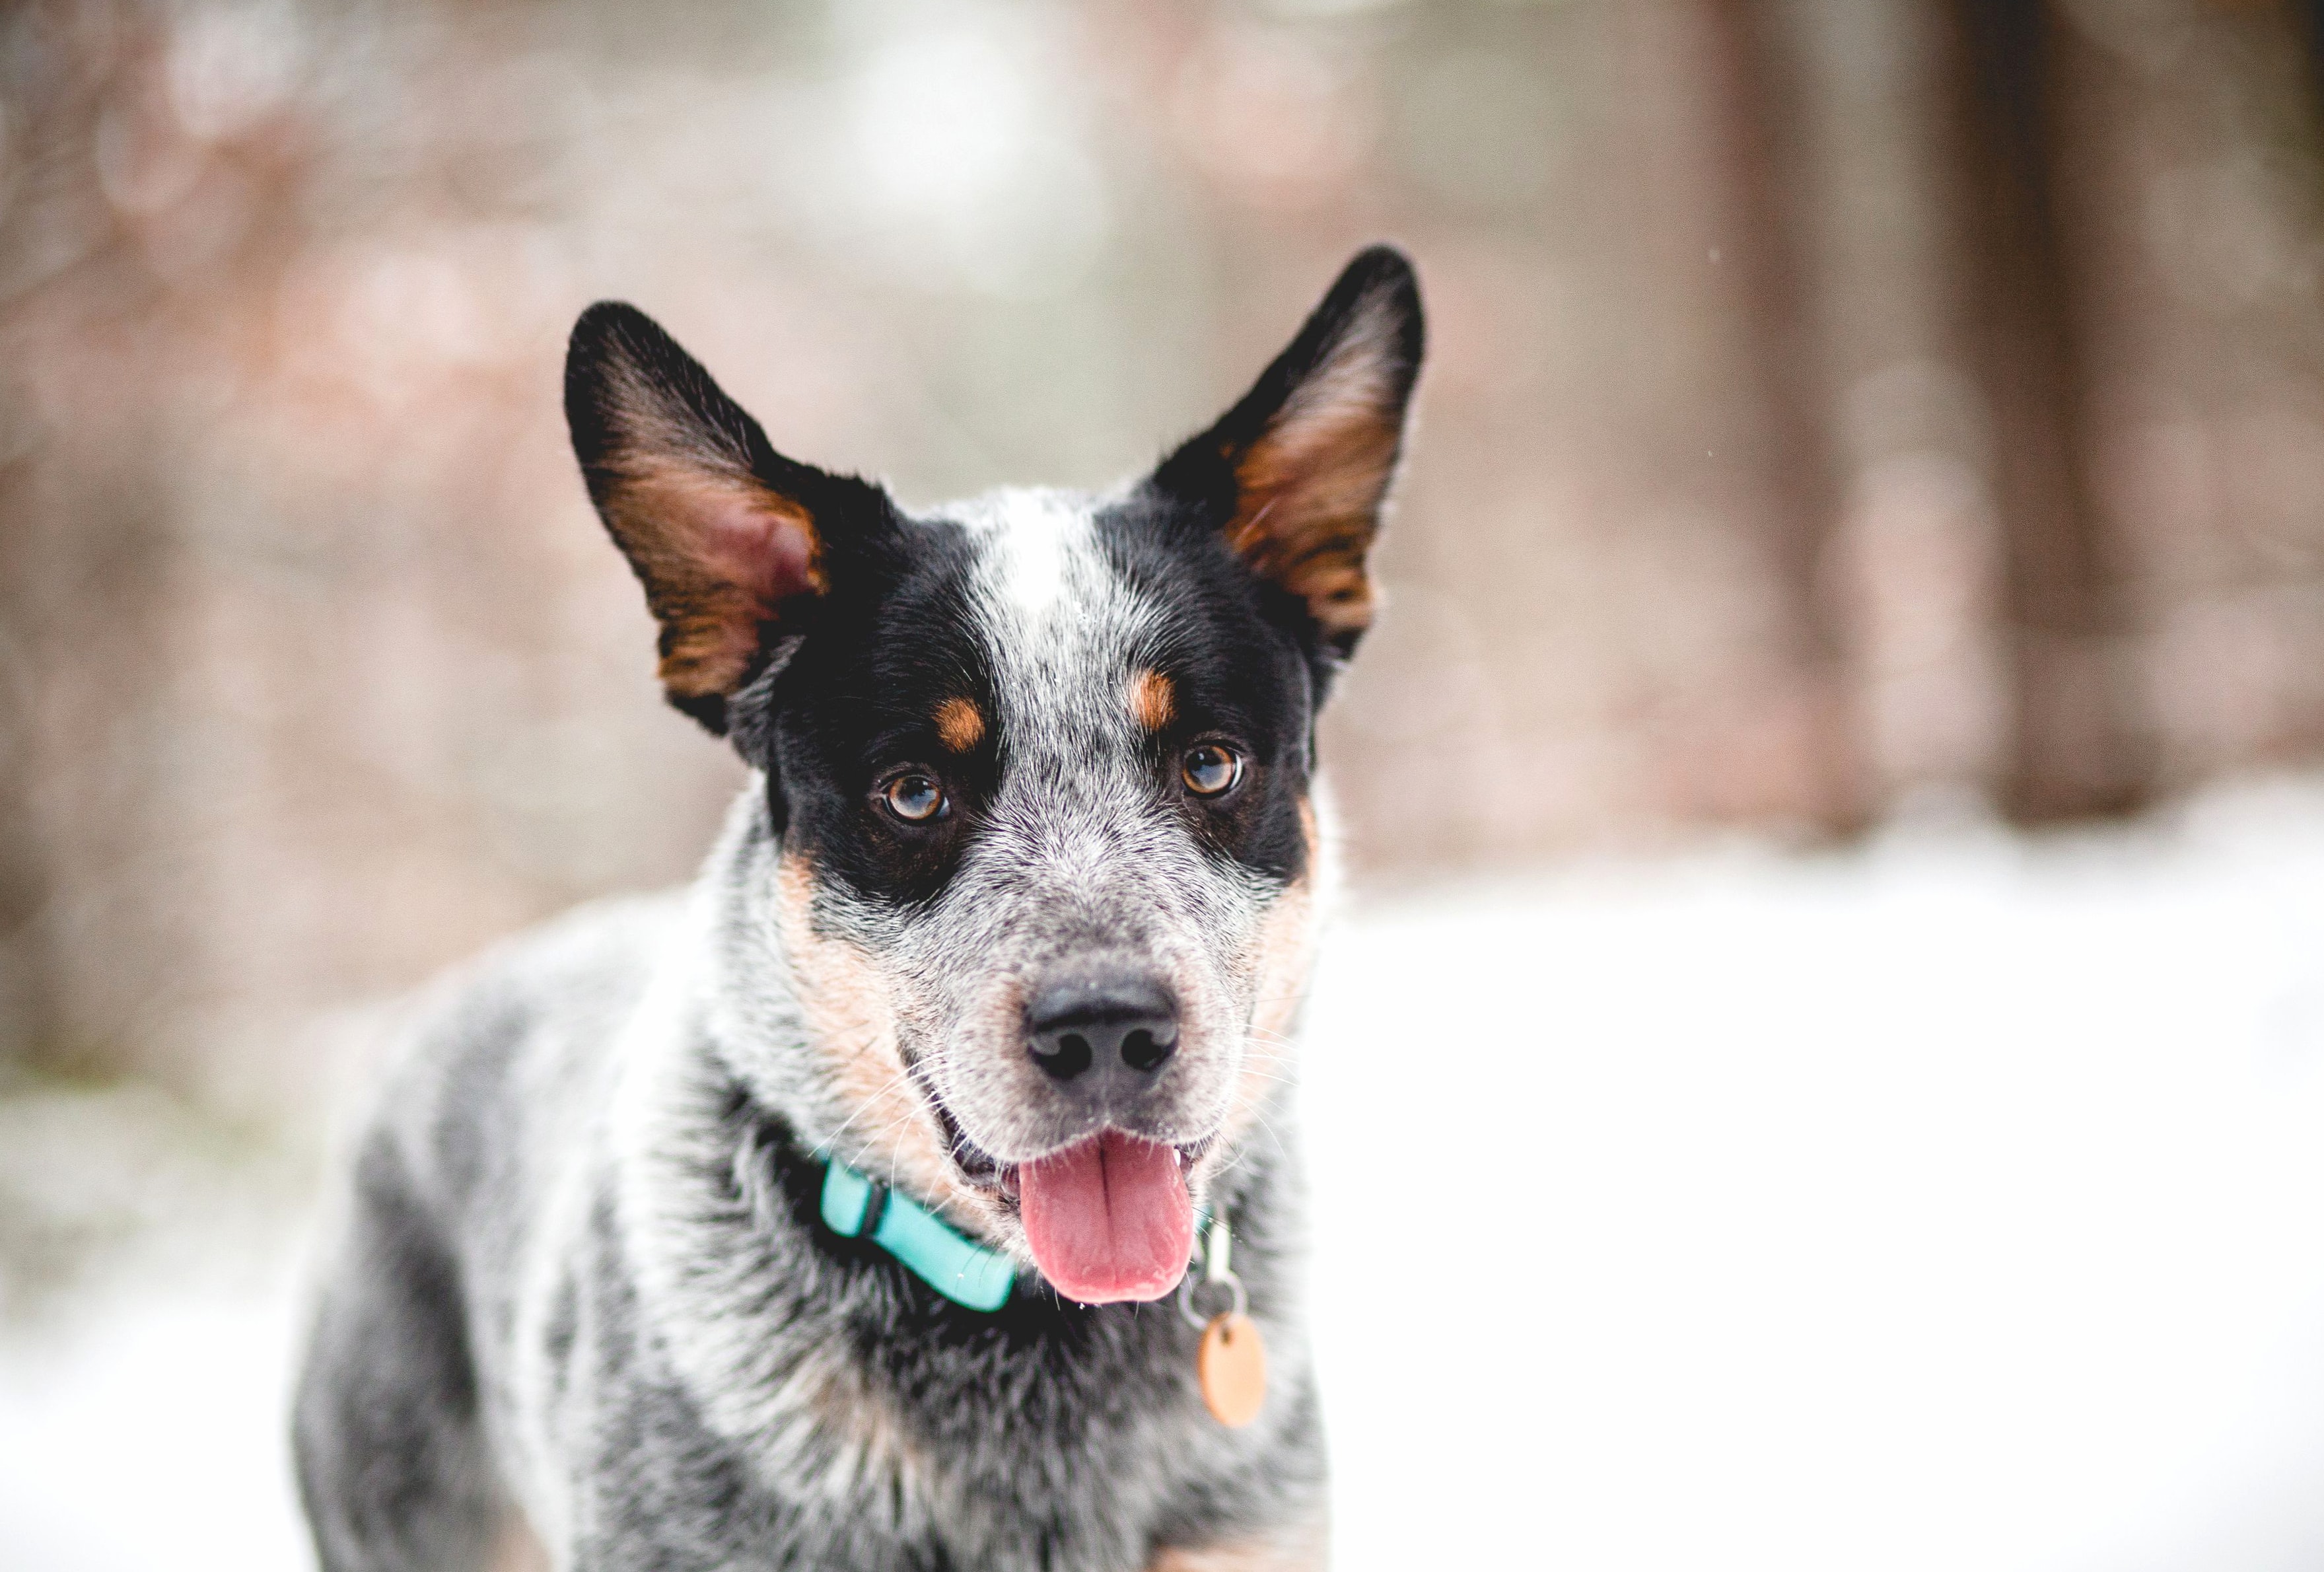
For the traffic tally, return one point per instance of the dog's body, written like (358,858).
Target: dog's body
(1014,918)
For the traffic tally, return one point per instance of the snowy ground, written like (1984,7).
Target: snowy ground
(1953,1203)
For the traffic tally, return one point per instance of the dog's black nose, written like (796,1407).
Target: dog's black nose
(1107,1032)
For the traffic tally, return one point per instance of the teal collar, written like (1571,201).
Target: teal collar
(960,1268)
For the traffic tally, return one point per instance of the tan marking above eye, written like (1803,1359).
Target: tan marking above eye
(1153,702)
(960,725)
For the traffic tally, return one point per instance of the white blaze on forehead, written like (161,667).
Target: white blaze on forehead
(1060,624)
(1032,534)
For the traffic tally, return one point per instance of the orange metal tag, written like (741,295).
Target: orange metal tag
(1232,1366)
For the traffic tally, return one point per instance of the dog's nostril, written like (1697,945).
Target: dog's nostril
(1064,1057)
(1144,1050)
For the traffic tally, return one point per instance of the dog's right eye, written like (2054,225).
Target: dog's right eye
(1211,769)
(915,798)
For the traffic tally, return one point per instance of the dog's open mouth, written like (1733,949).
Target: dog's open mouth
(981,1170)
(1108,1218)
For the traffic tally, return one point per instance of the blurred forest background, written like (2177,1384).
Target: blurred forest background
(1838,408)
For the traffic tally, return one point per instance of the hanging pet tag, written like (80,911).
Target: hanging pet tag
(1232,1363)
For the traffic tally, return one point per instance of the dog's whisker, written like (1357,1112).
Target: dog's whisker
(869,1104)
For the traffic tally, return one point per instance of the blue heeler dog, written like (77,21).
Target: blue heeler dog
(817,1218)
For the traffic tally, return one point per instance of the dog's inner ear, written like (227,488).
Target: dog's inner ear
(1299,470)
(722,531)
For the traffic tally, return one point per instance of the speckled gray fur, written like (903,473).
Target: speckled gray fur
(492,1337)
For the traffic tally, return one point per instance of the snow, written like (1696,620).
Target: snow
(152,1433)
(1956,1201)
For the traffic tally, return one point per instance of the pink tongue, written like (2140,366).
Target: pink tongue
(1109,1219)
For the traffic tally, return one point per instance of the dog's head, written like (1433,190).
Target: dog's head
(1036,845)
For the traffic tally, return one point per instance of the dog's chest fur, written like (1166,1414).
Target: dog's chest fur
(685,1370)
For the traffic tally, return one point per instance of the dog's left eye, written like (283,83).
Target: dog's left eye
(915,798)
(1210,769)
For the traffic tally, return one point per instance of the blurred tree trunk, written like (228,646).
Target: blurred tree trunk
(2310,16)
(2075,748)
(1757,87)
(27,997)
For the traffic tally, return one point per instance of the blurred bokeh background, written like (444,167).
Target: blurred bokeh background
(1841,414)
(1833,407)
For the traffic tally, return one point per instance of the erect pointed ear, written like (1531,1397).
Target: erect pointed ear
(1297,473)
(727,535)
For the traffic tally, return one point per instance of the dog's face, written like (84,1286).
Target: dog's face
(1039,766)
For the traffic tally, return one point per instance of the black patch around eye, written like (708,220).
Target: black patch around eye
(1238,672)
(856,705)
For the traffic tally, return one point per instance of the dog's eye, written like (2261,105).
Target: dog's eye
(1210,769)
(915,798)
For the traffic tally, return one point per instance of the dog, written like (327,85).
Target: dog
(918,1189)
